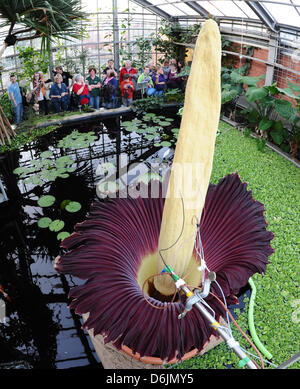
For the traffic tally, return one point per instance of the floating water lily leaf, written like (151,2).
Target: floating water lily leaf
(106,167)
(165,144)
(64,175)
(56,225)
(65,160)
(150,137)
(108,186)
(147,177)
(64,203)
(164,123)
(63,235)
(46,201)
(46,154)
(73,206)
(20,170)
(44,222)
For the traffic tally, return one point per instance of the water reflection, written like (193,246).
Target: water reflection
(40,331)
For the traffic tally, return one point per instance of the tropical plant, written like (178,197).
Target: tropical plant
(144,52)
(6,106)
(40,19)
(268,109)
(31,61)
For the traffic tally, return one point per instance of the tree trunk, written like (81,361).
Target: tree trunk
(3,48)
(6,130)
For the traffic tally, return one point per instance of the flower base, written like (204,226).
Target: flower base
(111,358)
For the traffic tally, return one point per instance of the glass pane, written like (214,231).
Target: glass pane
(283,13)
(186,9)
(210,8)
(171,10)
(228,8)
(248,11)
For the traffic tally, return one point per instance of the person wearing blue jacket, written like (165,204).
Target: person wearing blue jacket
(59,94)
(109,90)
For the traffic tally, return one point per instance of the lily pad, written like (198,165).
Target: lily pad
(44,222)
(46,201)
(64,203)
(108,186)
(73,206)
(63,235)
(166,144)
(56,225)
(46,154)
(20,170)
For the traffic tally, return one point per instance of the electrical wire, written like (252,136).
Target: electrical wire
(242,332)
(256,356)
(156,275)
(182,228)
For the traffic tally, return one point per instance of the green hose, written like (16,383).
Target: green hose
(253,333)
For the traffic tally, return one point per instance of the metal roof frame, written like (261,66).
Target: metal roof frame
(263,14)
(153,8)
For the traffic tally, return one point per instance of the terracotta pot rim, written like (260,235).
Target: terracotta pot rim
(159,361)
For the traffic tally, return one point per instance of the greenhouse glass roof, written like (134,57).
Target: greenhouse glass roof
(272,13)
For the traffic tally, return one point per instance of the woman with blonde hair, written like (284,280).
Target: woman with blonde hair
(59,94)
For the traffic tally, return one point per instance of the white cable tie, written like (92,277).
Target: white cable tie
(179,283)
(231,342)
(201,267)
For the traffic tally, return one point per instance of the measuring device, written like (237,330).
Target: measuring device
(194,300)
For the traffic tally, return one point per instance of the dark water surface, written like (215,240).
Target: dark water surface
(40,331)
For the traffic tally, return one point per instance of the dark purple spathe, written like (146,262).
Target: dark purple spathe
(109,246)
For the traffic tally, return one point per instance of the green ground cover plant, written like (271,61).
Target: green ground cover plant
(275,182)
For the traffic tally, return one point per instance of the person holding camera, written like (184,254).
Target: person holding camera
(37,99)
(127,89)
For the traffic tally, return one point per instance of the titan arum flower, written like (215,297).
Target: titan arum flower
(117,249)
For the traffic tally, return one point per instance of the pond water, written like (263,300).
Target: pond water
(39,331)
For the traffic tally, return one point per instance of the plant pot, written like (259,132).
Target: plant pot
(111,358)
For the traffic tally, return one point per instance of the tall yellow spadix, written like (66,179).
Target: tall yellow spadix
(193,158)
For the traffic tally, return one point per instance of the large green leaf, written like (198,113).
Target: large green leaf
(254,94)
(294,87)
(284,108)
(251,81)
(265,124)
(228,95)
(253,116)
(277,136)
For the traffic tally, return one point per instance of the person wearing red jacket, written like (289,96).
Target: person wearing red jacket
(127,69)
(81,90)
(127,89)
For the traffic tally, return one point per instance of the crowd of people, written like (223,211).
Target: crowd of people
(66,92)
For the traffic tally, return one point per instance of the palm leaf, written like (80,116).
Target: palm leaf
(48,19)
